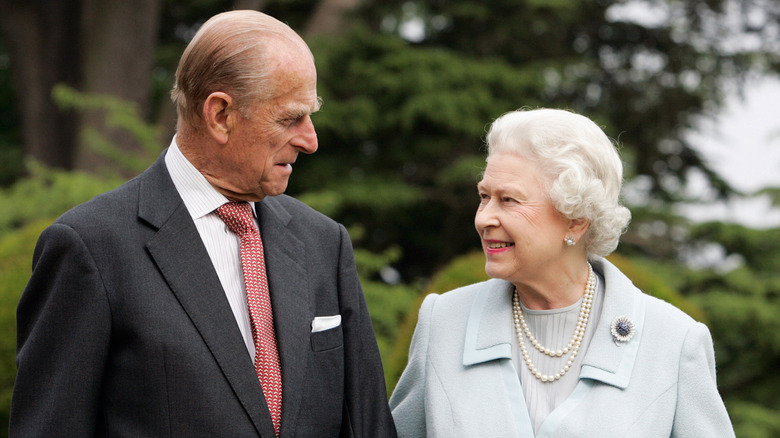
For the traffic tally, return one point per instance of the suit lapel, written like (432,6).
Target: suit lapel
(285,258)
(182,259)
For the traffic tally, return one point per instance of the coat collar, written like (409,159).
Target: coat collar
(490,332)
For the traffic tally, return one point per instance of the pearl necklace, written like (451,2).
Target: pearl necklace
(574,344)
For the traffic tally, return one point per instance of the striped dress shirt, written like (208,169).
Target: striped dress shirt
(222,245)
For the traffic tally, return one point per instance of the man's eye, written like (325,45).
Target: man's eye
(290,120)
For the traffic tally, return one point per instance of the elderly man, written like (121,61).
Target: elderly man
(197,299)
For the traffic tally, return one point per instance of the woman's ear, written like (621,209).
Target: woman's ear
(218,113)
(578,227)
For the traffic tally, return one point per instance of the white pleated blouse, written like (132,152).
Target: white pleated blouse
(553,329)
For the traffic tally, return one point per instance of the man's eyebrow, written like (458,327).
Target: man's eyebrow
(294,112)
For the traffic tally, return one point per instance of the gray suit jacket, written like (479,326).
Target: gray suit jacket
(461,381)
(124,328)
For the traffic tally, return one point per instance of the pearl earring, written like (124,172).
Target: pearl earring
(569,241)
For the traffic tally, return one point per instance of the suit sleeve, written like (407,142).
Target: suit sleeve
(700,410)
(366,412)
(408,399)
(63,329)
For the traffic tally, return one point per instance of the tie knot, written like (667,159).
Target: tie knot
(237,216)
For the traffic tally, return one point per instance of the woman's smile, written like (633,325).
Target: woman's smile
(497,246)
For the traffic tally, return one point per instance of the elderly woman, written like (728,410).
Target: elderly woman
(559,343)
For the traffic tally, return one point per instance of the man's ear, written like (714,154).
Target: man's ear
(218,113)
(578,227)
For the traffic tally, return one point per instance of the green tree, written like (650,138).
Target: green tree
(645,69)
(401,132)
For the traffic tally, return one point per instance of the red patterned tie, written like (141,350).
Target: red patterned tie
(238,217)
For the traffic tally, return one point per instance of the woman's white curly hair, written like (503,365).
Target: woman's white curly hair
(583,169)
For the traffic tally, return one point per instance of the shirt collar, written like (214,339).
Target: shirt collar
(199,196)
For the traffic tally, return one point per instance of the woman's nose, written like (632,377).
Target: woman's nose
(485,216)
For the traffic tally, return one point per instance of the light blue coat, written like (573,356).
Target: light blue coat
(461,381)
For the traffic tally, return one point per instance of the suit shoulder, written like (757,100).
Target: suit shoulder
(287,206)
(464,292)
(118,202)
(667,312)
(665,323)
(461,299)
(661,314)
(120,205)
(295,206)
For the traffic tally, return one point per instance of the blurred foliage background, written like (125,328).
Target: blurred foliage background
(409,89)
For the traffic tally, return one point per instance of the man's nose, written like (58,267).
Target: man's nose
(306,140)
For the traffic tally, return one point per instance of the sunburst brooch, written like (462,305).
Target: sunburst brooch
(622,328)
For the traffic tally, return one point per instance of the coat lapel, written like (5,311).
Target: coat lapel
(489,327)
(606,360)
(182,259)
(490,336)
(285,258)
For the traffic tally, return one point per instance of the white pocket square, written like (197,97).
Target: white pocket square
(322,323)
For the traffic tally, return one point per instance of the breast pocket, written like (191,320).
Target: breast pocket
(327,339)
